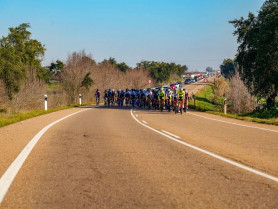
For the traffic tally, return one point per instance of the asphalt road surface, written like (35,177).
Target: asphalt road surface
(104,158)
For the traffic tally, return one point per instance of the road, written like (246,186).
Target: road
(104,158)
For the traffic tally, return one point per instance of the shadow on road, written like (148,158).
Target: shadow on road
(128,108)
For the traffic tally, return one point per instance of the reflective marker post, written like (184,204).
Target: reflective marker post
(225,106)
(45,102)
(194,97)
(80,99)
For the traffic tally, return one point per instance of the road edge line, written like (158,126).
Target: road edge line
(210,153)
(232,123)
(171,134)
(7,178)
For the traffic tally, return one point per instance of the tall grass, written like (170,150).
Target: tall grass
(206,101)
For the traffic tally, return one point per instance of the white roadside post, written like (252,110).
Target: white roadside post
(194,97)
(45,102)
(80,99)
(225,105)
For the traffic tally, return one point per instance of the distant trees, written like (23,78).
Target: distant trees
(20,56)
(123,67)
(56,67)
(161,71)
(228,68)
(209,69)
(258,52)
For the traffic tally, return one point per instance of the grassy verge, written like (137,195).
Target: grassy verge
(17,117)
(206,101)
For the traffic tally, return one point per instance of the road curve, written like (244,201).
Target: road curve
(102,158)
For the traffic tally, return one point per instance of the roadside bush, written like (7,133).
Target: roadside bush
(240,100)
(30,96)
(222,87)
(266,113)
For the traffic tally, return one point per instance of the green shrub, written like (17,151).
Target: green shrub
(265,113)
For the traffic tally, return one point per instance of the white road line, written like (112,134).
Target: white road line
(144,122)
(210,153)
(8,177)
(171,134)
(237,124)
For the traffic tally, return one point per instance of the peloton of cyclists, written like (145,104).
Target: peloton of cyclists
(168,99)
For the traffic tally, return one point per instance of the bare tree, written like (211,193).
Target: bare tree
(77,67)
(240,99)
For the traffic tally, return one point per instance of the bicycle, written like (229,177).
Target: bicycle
(179,106)
(168,104)
(97,100)
(161,104)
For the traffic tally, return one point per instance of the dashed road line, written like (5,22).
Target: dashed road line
(171,134)
(209,153)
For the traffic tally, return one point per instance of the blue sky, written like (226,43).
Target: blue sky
(191,32)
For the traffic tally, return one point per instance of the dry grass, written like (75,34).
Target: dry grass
(222,87)
(239,97)
(78,64)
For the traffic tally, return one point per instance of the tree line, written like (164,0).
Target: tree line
(257,58)
(21,58)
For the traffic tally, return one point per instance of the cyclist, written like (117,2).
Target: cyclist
(161,95)
(97,94)
(133,98)
(148,96)
(105,97)
(186,99)
(121,98)
(181,95)
(109,96)
(168,100)
(127,97)
(143,99)
(113,96)
(155,99)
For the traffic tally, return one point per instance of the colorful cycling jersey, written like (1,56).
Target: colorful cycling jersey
(180,93)
(97,93)
(122,94)
(161,93)
(155,95)
(127,94)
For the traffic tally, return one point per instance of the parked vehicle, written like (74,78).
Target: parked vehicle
(174,86)
(187,81)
